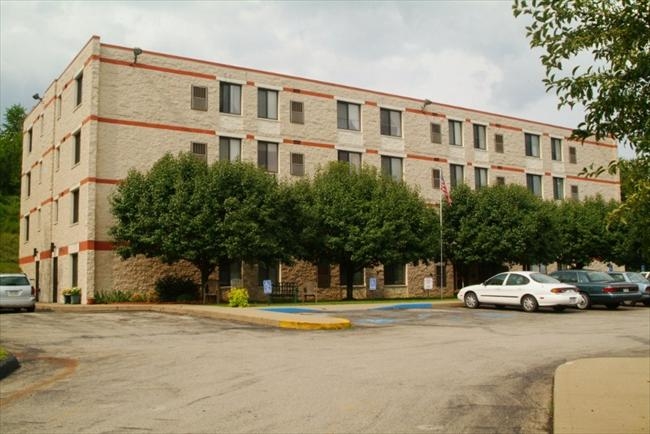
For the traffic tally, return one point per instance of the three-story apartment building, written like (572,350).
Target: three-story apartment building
(116,108)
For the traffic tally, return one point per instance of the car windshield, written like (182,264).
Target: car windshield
(13,281)
(637,278)
(543,278)
(599,276)
(618,277)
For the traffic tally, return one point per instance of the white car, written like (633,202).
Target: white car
(16,292)
(527,289)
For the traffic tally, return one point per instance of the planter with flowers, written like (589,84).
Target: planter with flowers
(72,295)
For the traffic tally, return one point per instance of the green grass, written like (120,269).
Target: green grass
(3,354)
(9,233)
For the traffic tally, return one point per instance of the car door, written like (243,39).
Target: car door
(514,288)
(493,291)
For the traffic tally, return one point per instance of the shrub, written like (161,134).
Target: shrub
(105,297)
(238,297)
(170,288)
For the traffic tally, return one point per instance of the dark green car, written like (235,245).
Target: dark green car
(597,287)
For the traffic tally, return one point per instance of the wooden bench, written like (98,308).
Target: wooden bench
(284,291)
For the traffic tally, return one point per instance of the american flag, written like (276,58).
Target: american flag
(443,189)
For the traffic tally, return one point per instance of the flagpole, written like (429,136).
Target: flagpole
(442,269)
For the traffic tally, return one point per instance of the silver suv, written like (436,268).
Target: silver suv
(16,292)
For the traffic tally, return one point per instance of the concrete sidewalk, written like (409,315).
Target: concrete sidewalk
(602,395)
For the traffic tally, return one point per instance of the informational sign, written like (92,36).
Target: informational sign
(268,286)
(428,283)
(372,283)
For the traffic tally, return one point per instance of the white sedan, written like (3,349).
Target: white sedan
(527,289)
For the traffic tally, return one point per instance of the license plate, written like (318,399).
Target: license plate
(626,290)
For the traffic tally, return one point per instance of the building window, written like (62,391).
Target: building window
(391,122)
(455,133)
(353,158)
(55,211)
(199,98)
(391,166)
(38,220)
(324,275)
(29,140)
(267,104)
(558,188)
(574,192)
(435,178)
(436,133)
(27,228)
(40,172)
(74,259)
(456,175)
(267,156)
(41,125)
(28,184)
(229,149)
(395,274)
(573,156)
(357,278)
(556,149)
(267,272)
(58,107)
(498,143)
(75,206)
(534,184)
(200,150)
(532,145)
(479,136)
(77,148)
(79,80)
(229,98)
(348,116)
(57,158)
(480,177)
(441,275)
(229,271)
(297,112)
(500,180)
(298,164)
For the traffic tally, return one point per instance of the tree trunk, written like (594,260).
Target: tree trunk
(349,280)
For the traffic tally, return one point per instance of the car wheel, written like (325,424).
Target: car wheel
(529,304)
(559,308)
(471,300)
(612,306)
(584,302)
(646,302)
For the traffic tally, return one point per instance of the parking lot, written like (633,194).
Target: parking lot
(448,369)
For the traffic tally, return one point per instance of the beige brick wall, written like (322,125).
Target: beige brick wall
(132,114)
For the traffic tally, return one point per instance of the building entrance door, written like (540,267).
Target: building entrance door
(55,280)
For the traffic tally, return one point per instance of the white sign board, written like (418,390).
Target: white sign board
(428,283)
(372,283)
(268,286)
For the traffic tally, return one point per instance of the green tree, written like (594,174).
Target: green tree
(597,54)
(11,137)
(582,234)
(183,209)
(359,219)
(497,225)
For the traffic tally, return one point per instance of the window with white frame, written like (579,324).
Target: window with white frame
(297,164)
(395,274)
(26,224)
(532,145)
(574,192)
(79,80)
(573,156)
(297,112)
(391,166)
(391,122)
(75,205)
(228,272)
(479,136)
(436,133)
(267,103)
(480,177)
(558,188)
(455,133)
(200,150)
(556,149)
(199,98)
(435,178)
(357,277)
(267,156)
(28,184)
(500,180)
(29,140)
(229,149)
(353,158)
(456,175)
(348,116)
(534,184)
(76,157)
(229,98)
(498,143)
(74,266)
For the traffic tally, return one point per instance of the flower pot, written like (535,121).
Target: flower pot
(90,300)
(75,299)
(66,299)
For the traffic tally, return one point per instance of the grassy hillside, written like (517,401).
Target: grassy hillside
(9,228)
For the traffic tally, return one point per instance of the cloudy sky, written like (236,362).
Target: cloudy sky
(467,53)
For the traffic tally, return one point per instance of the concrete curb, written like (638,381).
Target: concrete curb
(8,365)
(602,395)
